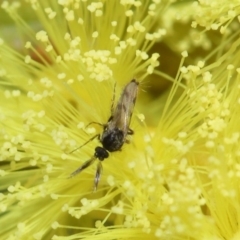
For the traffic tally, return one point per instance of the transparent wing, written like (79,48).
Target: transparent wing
(123,112)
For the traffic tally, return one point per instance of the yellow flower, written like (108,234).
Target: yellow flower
(176,180)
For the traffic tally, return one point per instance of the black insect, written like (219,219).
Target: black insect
(115,130)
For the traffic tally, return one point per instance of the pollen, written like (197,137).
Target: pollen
(118,209)
(51,13)
(42,36)
(177,175)
(55,225)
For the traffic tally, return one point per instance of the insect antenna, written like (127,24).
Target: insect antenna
(98,175)
(84,143)
(82,167)
(102,125)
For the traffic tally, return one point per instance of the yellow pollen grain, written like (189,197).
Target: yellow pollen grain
(194,69)
(44,158)
(200,64)
(75,42)
(2,174)
(111,180)
(147,138)
(42,36)
(64,156)
(129,13)
(70,16)
(50,12)
(55,225)
(159,233)
(61,75)
(49,48)
(114,37)
(58,59)
(3,207)
(150,70)
(184,54)
(65,208)
(215,26)
(117,50)
(184,70)
(67,37)
(27,59)
(49,168)
(139,27)
(91,7)
(90,130)
(21,226)
(84,201)
(118,209)
(11,189)
(45,178)
(95,34)
(182,134)
(207,76)
(141,54)
(230,67)
(70,81)
(28,45)
(209,144)
(80,21)
(98,13)
(130,29)
(131,164)
(131,42)
(54,196)
(16,93)
(123,44)
(80,77)
(222,29)
(127,184)
(114,23)
(149,36)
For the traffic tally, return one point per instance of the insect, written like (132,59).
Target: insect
(114,132)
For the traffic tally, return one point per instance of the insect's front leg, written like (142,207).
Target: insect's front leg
(113,99)
(97,135)
(95,123)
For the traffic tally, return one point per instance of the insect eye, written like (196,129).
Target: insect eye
(101,153)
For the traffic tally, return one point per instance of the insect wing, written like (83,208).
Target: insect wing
(122,115)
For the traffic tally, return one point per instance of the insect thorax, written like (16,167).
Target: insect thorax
(112,140)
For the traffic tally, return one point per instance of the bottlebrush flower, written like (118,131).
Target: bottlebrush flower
(176,180)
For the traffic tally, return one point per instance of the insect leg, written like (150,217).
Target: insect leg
(85,165)
(113,98)
(130,131)
(97,176)
(95,123)
(97,135)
